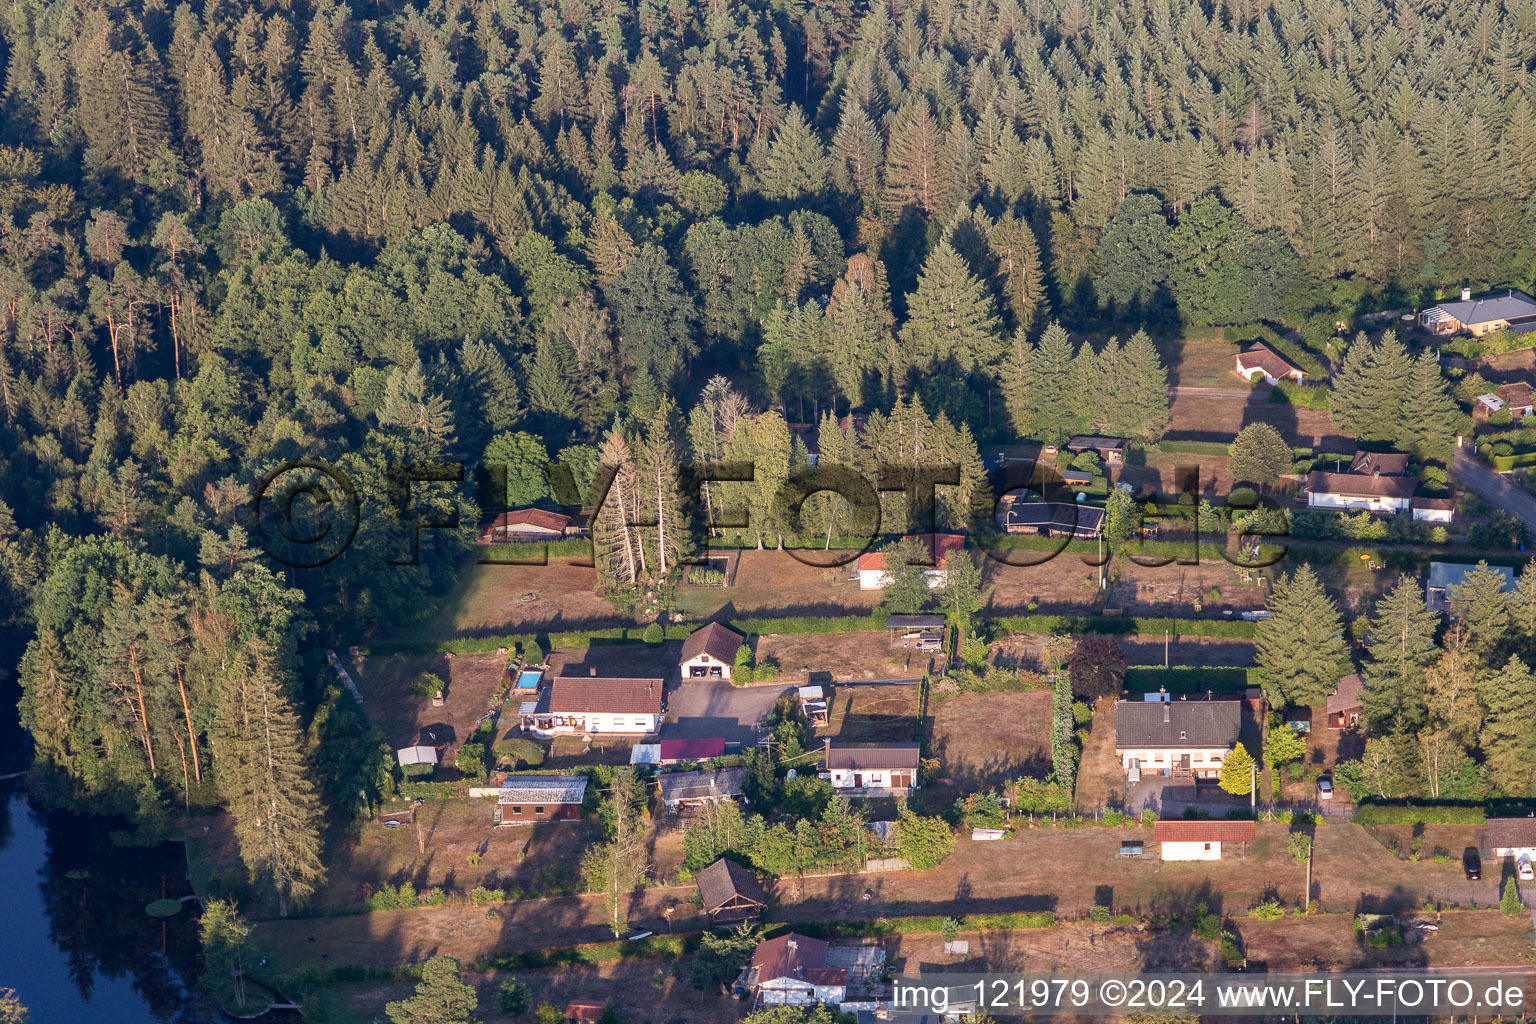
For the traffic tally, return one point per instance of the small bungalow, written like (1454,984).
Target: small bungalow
(1110,449)
(594,705)
(1444,575)
(677,751)
(1200,840)
(688,791)
(791,971)
(1389,494)
(1514,311)
(1343,706)
(1511,837)
(710,652)
(1052,519)
(525,798)
(1178,739)
(731,894)
(872,769)
(870,567)
(528,524)
(408,756)
(1433,510)
(584,1011)
(1259,360)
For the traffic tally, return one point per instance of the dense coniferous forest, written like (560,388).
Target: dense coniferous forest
(376,233)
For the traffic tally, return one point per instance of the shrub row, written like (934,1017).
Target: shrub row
(1194,448)
(655,947)
(1189,678)
(1505,463)
(1420,814)
(1307,395)
(913,925)
(1239,628)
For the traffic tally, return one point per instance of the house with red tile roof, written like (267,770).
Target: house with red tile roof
(791,970)
(870,566)
(1201,840)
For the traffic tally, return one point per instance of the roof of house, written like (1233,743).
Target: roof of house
(549,789)
(1065,514)
(1379,463)
(1346,695)
(416,755)
(610,695)
(1084,442)
(725,881)
(1443,504)
(695,785)
(1454,574)
(1181,723)
(1267,359)
(1076,476)
(826,976)
(541,518)
(862,756)
(1516,395)
(1203,832)
(717,641)
(788,956)
(913,621)
(1484,309)
(1358,485)
(691,750)
(1508,833)
(940,547)
(584,1010)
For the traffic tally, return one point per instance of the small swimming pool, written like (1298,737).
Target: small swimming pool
(529,680)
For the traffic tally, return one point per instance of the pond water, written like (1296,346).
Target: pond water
(76,943)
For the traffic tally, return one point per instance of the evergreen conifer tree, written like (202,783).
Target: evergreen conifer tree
(1301,648)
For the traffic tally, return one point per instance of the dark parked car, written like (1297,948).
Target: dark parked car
(1472,864)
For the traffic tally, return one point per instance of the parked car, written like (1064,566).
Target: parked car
(1523,868)
(1325,789)
(1472,864)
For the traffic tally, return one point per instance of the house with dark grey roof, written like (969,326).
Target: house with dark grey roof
(731,894)
(710,652)
(872,769)
(1052,519)
(1511,837)
(1348,491)
(1507,310)
(1445,575)
(1176,738)
(686,791)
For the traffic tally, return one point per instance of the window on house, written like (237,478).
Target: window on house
(1207,846)
(1183,735)
(1158,759)
(540,810)
(640,721)
(517,810)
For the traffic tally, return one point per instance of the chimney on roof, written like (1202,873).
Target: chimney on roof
(1166,719)
(1466,293)
(592,671)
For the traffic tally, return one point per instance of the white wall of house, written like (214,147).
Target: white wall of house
(1192,851)
(712,668)
(1254,372)
(1155,762)
(799,992)
(874,579)
(1526,853)
(1327,499)
(872,778)
(1433,515)
(573,722)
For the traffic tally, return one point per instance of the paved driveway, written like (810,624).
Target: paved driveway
(706,708)
(1494,488)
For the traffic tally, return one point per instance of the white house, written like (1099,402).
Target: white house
(1433,510)
(1176,738)
(710,653)
(870,566)
(1259,360)
(1200,840)
(1511,837)
(595,705)
(1390,494)
(872,769)
(791,971)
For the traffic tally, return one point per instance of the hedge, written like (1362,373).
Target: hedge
(1420,814)
(1309,396)
(1189,679)
(1234,628)
(1194,448)
(1505,463)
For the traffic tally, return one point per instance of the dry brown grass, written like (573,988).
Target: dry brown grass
(385,682)
(872,714)
(985,739)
